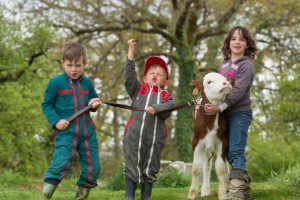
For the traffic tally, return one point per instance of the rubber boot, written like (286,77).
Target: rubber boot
(48,190)
(82,193)
(239,188)
(130,187)
(146,190)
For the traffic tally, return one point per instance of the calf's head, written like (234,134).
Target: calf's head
(215,87)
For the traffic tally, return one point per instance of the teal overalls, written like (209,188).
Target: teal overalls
(63,97)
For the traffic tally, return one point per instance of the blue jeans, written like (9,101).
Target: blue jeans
(238,123)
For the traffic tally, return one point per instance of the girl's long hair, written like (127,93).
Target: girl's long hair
(251,45)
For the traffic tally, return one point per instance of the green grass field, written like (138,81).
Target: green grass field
(66,191)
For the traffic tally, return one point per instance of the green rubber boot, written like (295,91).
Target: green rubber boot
(48,190)
(82,193)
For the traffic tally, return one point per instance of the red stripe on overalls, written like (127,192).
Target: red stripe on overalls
(64,91)
(87,148)
(77,131)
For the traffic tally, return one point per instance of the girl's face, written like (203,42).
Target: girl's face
(238,44)
(156,76)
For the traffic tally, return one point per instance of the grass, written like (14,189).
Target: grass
(30,190)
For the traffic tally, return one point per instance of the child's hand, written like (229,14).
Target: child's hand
(150,110)
(62,124)
(211,109)
(131,48)
(96,102)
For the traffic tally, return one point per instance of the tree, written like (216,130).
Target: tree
(23,69)
(177,26)
(189,33)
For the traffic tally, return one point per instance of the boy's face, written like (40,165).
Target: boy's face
(156,76)
(73,68)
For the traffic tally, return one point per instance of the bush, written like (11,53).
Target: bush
(116,182)
(272,154)
(290,177)
(10,179)
(172,178)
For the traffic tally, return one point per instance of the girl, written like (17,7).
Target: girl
(239,51)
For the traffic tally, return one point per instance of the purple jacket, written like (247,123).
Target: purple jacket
(243,71)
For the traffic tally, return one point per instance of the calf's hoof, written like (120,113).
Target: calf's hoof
(192,194)
(205,191)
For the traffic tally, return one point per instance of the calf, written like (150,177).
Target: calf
(210,138)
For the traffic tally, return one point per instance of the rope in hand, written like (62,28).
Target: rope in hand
(87,108)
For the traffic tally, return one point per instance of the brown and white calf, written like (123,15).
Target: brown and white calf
(210,140)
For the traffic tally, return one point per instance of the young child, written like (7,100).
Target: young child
(239,50)
(66,94)
(145,132)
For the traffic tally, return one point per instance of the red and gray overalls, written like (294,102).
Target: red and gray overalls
(145,134)
(63,97)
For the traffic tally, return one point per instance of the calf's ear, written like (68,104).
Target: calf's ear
(196,86)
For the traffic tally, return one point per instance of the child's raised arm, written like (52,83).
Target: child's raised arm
(131,48)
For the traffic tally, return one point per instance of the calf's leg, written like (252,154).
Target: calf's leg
(196,167)
(222,174)
(207,164)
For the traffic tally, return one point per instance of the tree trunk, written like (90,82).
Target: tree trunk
(117,151)
(184,123)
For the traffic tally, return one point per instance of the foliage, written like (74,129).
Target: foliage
(274,137)
(116,183)
(191,42)
(23,72)
(11,179)
(189,33)
(289,102)
(172,178)
(291,176)
(172,29)
(270,154)
(17,181)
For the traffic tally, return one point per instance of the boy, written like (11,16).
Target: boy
(66,94)
(145,132)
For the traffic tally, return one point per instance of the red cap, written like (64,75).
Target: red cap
(155,60)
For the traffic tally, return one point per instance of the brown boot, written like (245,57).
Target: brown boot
(239,188)
(247,191)
(82,193)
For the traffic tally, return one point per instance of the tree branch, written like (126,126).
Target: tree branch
(222,21)
(34,56)
(17,74)
(182,19)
